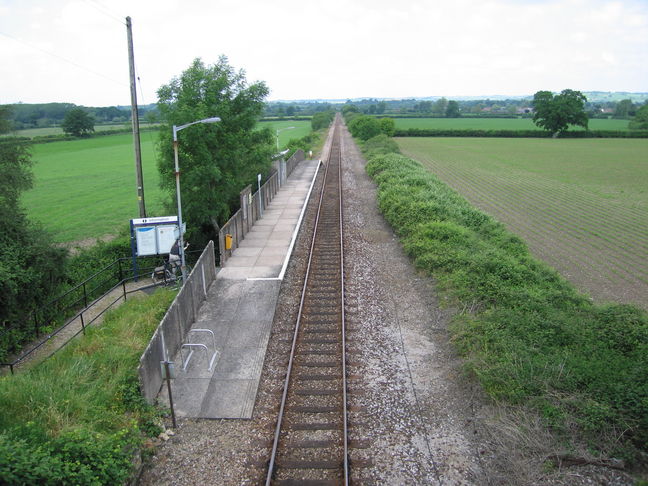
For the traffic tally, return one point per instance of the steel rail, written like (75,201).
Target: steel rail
(293,352)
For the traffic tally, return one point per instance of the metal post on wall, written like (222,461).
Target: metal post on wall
(167,375)
(259,185)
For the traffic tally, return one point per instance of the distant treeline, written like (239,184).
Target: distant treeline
(439,107)
(42,115)
(62,137)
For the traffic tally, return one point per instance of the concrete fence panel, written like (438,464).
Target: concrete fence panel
(178,319)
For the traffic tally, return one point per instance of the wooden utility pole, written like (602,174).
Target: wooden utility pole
(135,117)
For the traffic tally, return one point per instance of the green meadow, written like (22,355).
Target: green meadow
(41,132)
(86,188)
(496,124)
(302,128)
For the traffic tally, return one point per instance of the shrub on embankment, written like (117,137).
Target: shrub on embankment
(527,334)
(79,417)
(468,132)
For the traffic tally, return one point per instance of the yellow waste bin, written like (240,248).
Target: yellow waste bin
(228,242)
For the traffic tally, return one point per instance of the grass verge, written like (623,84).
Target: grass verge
(527,334)
(79,418)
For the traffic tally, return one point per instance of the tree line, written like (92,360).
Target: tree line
(43,115)
(597,107)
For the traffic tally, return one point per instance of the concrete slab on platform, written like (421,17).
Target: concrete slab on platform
(239,310)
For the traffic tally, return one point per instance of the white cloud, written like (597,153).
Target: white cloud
(335,49)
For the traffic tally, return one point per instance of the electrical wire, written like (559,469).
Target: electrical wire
(75,64)
(106,11)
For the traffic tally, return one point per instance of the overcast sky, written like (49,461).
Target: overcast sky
(75,50)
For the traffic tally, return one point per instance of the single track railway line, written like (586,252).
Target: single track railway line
(310,444)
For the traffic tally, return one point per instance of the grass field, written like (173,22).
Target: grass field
(581,205)
(39,132)
(496,124)
(302,128)
(86,188)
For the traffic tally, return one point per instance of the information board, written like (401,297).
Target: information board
(154,236)
(166,236)
(146,240)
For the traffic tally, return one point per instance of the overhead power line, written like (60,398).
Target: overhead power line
(106,11)
(56,56)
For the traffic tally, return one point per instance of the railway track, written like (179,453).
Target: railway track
(311,436)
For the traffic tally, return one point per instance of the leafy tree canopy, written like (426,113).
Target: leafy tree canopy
(452,109)
(322,119)
(640,121)
(30,267)
(364,127)
(556,112)
(387,126)
(216,160)
(349,108)
(78,122)
(624,108)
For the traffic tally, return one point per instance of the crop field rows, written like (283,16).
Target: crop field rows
(596,237)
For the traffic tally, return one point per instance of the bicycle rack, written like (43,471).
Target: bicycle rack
(191,346)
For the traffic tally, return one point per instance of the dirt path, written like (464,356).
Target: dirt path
(94,315)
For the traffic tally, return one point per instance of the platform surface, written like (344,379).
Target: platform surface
(239,310)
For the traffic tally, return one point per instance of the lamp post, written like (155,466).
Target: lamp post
(281,130)
(176,129)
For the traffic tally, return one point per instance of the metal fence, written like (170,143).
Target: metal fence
(171,331)
(252,207)
(67,316)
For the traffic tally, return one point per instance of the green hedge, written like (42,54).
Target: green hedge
(432,132)
(463,115)
(531,338)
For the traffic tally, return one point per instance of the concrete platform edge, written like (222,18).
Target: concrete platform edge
(295,232)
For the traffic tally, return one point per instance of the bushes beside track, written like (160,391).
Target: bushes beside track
(527,334)
(434,132)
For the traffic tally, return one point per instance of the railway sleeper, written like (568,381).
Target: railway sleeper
(300,464)
(323,364)
(314,377)
(308,482)
(315,409)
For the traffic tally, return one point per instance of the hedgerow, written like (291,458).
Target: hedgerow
(470,132)
(529,336)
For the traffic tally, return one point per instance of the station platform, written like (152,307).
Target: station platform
(239,311)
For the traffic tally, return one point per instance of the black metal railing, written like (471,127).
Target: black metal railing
(69,312)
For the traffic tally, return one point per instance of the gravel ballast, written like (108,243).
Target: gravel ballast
(415,418)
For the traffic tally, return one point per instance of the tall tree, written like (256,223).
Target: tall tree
(440,106)
(640,121)
(216,160)
(452,110)
(624,108)
(30,266)
(78,122)
(556,112)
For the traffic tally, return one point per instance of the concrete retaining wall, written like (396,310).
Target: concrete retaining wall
(178,319)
